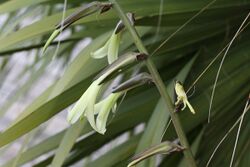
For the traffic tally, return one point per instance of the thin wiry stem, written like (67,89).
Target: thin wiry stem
(242,153)
(159,84)
(168,125)
(159,21)
(61,28)
(59,41)
(222,61)
(238,132)
(181,27)
(225,136)
(212,62)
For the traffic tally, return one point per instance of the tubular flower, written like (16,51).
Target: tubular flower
(103,109)
(110,48)
(85,105)
(97,113)
(88,107)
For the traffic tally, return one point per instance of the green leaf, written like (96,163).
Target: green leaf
(13,5)
(67,142)
(116,155)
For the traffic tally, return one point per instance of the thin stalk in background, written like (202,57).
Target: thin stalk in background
(159,84)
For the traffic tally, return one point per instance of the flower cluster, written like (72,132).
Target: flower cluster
(88,107)
(97,112)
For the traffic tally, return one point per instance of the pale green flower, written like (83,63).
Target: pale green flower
(103,109)
(110,48)
(85,105)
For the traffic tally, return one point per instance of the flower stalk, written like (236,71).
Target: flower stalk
(159,84)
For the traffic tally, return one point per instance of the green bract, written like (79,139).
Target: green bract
(162,148)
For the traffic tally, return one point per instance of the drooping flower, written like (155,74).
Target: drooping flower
(110,48)
(85,105)
(97,112)
(88,107)
(103,108)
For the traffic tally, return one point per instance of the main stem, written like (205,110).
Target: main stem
(159,84)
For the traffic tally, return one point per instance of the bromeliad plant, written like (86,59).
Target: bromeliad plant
(87,105)
(179,41)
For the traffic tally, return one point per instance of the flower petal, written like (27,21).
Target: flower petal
(101,52)
(98,107)
(77,111)
(190,107)
(108,104)
(92,95)
(113,47)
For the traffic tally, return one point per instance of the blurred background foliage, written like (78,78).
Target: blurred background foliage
(44,86)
